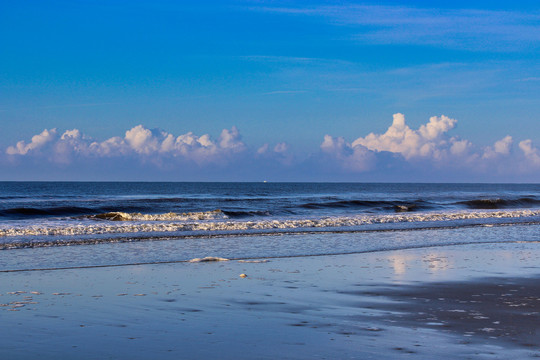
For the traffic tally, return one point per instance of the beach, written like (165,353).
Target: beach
(474,301)
(269,270)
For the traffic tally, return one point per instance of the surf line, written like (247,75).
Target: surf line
(277,257)
(252,233)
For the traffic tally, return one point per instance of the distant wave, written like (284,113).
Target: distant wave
(178,208)
(63,211)
(13,197)
(48,211)
(197,223)
(500,203)
(397,206)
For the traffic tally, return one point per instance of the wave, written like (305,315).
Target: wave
(500,203)
(50,211)
(13,197)
(223,225)
(62,211)
(397,206)
(171,216)
(239,214)
(421,205)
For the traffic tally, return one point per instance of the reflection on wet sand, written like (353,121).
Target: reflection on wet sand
(434,262)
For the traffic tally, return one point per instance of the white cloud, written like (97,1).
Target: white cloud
(138,141)
(231,140)
(426,142)
(531,153)
(429,145)
(71,134)
(436,127)
(500,148)
(503,146)
(353,157)
(429,148)
(38,141)
(460,147)
(71,142)
(111,147)
(144,141)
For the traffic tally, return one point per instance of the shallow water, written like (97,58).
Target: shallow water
(264,247)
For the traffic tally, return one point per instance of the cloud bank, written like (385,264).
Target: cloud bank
(140,142)
(429,151)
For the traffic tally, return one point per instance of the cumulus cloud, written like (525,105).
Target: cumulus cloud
(430,150)
(231,140)
(38,141)
(70,143)
(531,152)
(431,146)
(501,147)
(354,157)
(460,147)
(71,134)
(428,141)
(138,141)
(144,141)
(111,147)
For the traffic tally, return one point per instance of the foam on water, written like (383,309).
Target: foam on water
(216,221)
(170,216)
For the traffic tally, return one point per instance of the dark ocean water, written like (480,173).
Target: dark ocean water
(219,216)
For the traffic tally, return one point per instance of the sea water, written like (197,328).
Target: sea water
(78,224)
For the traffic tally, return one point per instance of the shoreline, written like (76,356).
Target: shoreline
(417,303)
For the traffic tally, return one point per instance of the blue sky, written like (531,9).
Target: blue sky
(270,90)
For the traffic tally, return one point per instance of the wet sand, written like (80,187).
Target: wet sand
(458,302)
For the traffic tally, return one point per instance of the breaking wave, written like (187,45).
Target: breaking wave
(215,221)
(171,216)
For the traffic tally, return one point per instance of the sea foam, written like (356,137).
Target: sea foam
(215,221)
(170,216)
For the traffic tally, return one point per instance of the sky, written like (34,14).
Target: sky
(253,90)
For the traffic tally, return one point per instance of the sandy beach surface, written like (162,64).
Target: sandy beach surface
(478,301)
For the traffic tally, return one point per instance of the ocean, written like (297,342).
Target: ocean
(46,225)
